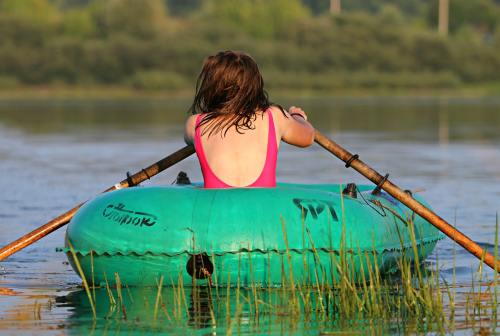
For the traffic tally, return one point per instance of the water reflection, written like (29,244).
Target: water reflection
(431,119)
(7,291)
(199,310)
(147,310)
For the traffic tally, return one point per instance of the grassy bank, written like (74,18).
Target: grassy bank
(75,50)
(122,92)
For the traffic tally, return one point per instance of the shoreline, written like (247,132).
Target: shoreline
(124,93)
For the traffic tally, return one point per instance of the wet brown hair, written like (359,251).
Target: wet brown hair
(230,90)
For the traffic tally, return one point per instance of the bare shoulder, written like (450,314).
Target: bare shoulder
(280,117)
(189,129)
(191,120)
(277,112)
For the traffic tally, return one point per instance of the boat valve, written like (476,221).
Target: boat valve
(350,190)
(199,266)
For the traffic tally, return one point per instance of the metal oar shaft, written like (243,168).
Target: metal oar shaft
(407,200)
(63,219)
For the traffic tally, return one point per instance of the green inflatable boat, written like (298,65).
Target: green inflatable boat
(184,234)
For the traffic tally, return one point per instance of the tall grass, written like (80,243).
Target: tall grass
(415,297)
(82,275)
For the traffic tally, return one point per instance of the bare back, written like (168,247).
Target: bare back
(238,159)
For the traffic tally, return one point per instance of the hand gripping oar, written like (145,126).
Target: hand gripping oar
(405,198)
(63,219)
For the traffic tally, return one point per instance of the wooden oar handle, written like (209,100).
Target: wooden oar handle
(64,219)
(407,200)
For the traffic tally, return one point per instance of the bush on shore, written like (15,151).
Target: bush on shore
(120,43)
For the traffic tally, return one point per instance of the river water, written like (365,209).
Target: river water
(57,153)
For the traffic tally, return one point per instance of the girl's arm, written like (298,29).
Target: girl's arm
(294,128)
(189,130)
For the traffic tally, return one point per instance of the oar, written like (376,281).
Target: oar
(63,219)
(331,146)
(405,198)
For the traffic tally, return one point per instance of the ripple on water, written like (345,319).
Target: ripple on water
(47,170)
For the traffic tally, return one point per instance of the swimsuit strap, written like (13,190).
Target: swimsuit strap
(211,180)
(267,177)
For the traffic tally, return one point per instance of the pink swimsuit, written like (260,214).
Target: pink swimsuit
(267,177)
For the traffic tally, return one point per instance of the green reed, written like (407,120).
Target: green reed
(158,297)
(111,297)
(82,275)
(342,296)
(120,296)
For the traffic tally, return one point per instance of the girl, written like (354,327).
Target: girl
(236,131)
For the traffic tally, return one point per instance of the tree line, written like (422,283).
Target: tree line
(160,45)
